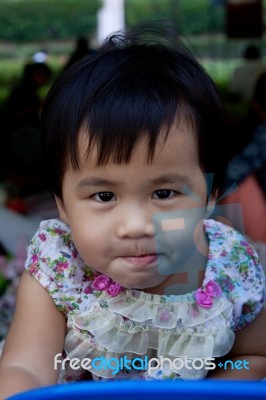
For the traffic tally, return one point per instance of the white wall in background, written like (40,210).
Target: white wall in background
(111,18)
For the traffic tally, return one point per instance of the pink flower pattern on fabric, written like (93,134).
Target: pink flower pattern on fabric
(204,297)
(103,282)
(114,289)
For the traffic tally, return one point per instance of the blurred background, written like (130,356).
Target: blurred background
(217,30)
(41,38)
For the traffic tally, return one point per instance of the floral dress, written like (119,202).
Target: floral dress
(118,330)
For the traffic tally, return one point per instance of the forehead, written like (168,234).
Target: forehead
(179,143)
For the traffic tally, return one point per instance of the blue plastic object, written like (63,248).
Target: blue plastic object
(156,390)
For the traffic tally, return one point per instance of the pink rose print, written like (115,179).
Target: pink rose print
(204,297)
(34,258)
(114,289)
(250,251)
(58,231)
(42,237)
(61,266)
(33,270)
(103,282)
(87,290)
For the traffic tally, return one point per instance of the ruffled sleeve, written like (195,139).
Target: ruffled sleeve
(54,262)
(235,265)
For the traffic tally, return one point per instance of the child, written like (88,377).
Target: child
(128,137)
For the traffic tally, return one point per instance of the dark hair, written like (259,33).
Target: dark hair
(131,88)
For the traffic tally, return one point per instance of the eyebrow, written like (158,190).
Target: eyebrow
(160,180)
(173,178)
(93,182)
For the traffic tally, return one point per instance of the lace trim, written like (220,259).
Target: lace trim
(164,311)
(103,330)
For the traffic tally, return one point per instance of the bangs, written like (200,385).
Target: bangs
(115,129)
(139,102)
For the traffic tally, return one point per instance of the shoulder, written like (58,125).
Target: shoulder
(235,265)
(226,243)
(50,231)
(54,262)
(50,245)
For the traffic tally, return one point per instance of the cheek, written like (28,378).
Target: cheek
(92,242)
(179,237)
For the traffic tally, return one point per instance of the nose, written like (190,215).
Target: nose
(135,222)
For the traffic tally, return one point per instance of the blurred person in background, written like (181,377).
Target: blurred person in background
(247,168)
(245,76)
(83,48)
(20,147)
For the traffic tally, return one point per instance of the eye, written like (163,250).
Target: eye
(104,196)
(164,194)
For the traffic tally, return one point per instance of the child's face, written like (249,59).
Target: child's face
(110,208)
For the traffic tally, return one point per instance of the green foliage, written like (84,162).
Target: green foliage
(9,72)
(32,20)
(189,17)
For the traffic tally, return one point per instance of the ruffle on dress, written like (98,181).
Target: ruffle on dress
(137,323)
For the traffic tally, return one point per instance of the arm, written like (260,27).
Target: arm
(250,348)
(36,334)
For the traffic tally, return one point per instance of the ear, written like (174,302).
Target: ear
(210,206)
(61,209)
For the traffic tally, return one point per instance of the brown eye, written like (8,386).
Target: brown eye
(104,196)
(164,194)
